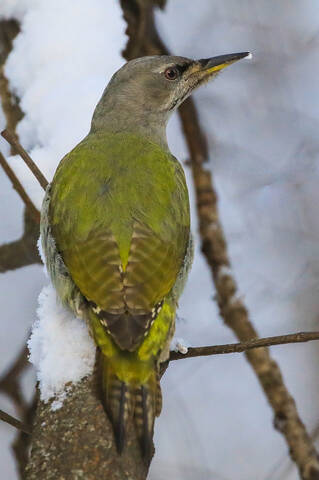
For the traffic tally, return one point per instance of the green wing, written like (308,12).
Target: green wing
(119,213)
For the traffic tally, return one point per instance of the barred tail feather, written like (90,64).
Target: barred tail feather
(148,404)
(124,402)
(117,401)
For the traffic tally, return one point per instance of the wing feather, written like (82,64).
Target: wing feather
(125,246)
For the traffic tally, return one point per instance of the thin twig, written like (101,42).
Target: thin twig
(192,352)
(5,417)
(19,189)
(13,141)
(144,40)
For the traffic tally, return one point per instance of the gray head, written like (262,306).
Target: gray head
(144,92)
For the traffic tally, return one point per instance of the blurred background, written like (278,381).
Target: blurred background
(261,118)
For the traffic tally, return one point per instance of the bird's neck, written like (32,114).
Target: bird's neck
(114,116)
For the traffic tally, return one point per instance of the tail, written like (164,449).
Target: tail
(127,401)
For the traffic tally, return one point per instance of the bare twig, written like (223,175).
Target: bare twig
(19,189)
(144,40)
(192,352)
(12,139)
(5,417)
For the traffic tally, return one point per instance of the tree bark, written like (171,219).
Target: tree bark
(76,441)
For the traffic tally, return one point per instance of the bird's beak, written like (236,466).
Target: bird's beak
(215,64)
(204,68)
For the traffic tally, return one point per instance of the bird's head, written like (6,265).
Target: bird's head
(149,89)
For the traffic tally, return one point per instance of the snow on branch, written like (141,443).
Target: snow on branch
(61,348)
(63,352)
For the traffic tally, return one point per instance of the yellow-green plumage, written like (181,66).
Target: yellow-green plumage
(119,214)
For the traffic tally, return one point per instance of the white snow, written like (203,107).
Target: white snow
(178,344)
(62,395)
(236,298)
(225,271)
(60,81)
(61,348)
(41,253)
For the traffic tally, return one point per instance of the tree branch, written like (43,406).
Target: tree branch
(77,441)
(14,142)
(19,189)
(10,106)
(9,383)
(22,252)
(140,18)
(21,443)
(192,352)
(17,254)
(5,417)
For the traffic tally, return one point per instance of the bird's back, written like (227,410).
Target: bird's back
(120,219)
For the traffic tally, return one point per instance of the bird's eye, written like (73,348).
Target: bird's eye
(171,73)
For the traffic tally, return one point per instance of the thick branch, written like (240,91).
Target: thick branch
(76,441)
(192,352)
(5,417)
(14,142)
(139,15)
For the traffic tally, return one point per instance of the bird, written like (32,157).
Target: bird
(115,232)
